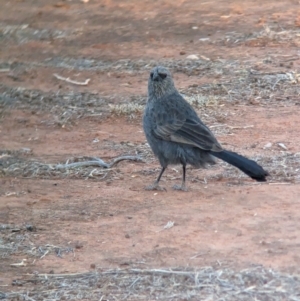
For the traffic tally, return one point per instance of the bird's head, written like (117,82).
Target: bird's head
(160,82)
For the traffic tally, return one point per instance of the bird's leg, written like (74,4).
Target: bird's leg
(155,185)
(182,186)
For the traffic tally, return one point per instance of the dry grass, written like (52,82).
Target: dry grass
(64,107)
(237,81)
(283,167)
(23,33)
(199,100)
(18,248)
(230,81)
(128,109)
(14,164)
(17,240)
(269,35)
(134,109)
(206,283)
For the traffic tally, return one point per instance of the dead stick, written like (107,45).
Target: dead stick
(131,158)
(81,164)
(99,162)
(68,80)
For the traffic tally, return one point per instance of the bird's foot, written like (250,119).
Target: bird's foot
(181,187)
(155,186)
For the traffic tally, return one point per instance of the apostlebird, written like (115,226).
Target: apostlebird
(176,134)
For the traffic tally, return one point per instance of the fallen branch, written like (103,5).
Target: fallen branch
(81,164)
(98,162)
(122,158)
(68,80)
(20,264)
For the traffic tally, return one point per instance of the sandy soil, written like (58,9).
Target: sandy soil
(74,223)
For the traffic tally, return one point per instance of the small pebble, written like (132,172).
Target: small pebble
(268,145)
(192,57)
(282,146)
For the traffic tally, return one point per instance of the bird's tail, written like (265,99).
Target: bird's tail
(249,167)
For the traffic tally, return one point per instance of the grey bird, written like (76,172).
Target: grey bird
(176,134)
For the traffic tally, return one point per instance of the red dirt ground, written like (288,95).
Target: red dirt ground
(115,222)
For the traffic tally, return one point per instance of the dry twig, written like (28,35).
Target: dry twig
(74,82)
(98,162)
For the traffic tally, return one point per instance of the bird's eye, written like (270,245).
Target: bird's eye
(162,75)
(151,75)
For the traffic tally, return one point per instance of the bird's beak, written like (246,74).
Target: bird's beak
(156,77)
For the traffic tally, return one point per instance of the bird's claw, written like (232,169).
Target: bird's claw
(155,186)
(180,187)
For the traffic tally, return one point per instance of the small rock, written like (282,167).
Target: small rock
(78,245)
(253,102)
(192,57)
(25,150)
(127,236)
(30,228)
(204,39)
(182,52)
(282,146)
(17,282)
(92,266)
(195,27)
(205,58)
(268,145)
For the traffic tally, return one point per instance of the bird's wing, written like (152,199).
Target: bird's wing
(173,125)
(196,133)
